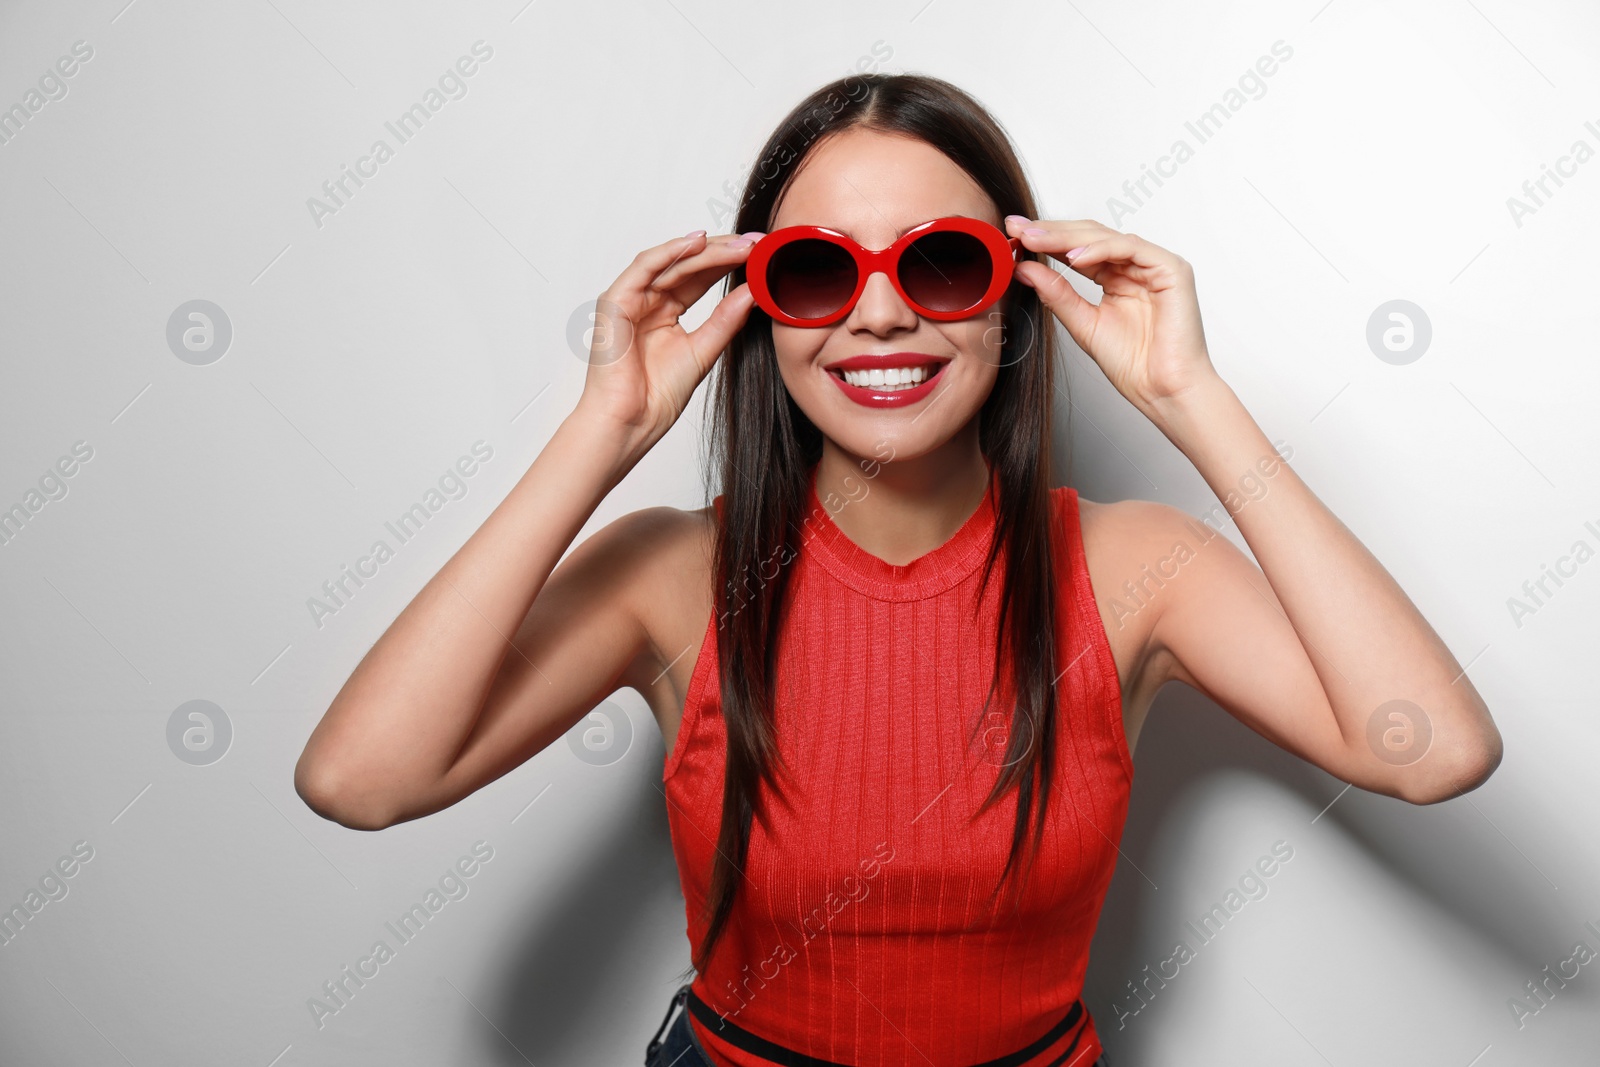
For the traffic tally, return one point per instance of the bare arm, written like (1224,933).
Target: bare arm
(1317,648)
(474,676)
(397,727)
(1322,652)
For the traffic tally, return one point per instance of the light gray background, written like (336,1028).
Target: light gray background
(432,311)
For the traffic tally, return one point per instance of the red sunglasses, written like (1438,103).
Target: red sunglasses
(949,268)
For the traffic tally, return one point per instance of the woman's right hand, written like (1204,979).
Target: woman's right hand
(644,366)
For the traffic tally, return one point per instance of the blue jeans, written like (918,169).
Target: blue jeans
(678,1047)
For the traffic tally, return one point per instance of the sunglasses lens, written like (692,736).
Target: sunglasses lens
(811,278)
(946,271)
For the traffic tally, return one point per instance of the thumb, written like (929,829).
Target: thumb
(712,336)
(1057,294)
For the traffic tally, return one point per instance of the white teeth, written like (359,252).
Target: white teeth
(888,379)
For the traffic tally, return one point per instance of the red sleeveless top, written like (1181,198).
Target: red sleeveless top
(862,932)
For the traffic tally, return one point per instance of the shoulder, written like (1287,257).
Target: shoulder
(1141,543)
(1125,527)
(635,539)
(664,560)
(1132,549)
(1123,539)
(667,526)
(664,541)
(642,561)
(1140,522)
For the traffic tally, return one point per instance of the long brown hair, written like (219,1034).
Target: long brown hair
(763,448)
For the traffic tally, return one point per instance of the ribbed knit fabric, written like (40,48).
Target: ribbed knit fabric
(863,933)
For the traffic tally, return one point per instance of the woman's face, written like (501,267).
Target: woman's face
(872,186)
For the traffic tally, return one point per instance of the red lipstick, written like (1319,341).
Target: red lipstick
(878,396)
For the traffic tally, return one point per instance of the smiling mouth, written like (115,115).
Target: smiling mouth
(888,379)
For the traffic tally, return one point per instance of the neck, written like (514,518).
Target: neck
(901,509)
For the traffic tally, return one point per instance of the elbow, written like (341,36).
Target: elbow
(1456,773)
(325,793)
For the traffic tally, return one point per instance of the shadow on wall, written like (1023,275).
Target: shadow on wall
(1447,854)
(591,969)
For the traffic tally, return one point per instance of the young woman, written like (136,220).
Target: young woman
(899,723)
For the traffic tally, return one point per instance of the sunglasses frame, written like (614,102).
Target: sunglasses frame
(1003,252)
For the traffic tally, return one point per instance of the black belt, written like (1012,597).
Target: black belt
(741,1038)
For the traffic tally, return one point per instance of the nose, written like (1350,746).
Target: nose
(880,310)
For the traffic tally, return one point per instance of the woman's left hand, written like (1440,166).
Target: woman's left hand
(1145,333)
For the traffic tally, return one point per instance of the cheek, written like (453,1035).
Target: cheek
(981,342)
(797,350)
(994,342)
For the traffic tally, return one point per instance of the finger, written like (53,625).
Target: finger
(688,279)
(708,340)
(1054,237)
(629,288)
(1017,225)
(1057,294)
(1071,241)
(1119,248)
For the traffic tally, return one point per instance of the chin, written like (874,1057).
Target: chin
(891,433)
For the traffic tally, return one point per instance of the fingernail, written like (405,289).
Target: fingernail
(1071,252)
(740,242)
(1033,230)
(1018,219)
(753,235)
(695,233)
